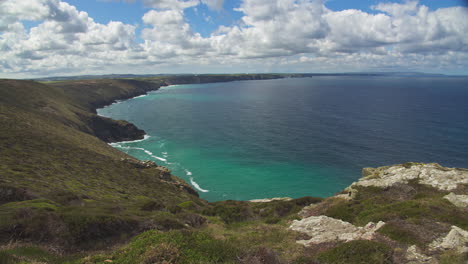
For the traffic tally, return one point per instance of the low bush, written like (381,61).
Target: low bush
(357,252)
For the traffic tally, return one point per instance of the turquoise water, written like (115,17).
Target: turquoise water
(296,137)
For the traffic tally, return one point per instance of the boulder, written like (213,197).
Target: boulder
(456,239)
(414,256)
(323,229)
(458,200)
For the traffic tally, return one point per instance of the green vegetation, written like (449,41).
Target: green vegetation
(173,247)
(32,254)
(451,257)
(60,184)
(358,252)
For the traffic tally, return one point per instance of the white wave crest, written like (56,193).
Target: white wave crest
(149,153)
(140,96)
(145,137)
(197,186)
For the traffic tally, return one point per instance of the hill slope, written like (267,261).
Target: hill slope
(48,150)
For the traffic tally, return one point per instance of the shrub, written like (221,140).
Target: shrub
(357,252)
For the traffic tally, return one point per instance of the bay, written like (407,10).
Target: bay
(298,136)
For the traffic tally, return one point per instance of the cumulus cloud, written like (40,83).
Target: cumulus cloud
(214,4)
(65,39)
(285,35)
(171,4)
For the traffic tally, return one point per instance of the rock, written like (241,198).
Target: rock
(457,200)
(456,239)
(271,199)
(165,173)
(349,195)
(414,256)
(141,164)
(194,220)
(431,174)
(110,130)
(324,229)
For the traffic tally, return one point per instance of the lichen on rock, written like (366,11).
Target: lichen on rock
(457,200)
(431,174)
(323,229)
(414,256)
(456,239)
(271,200)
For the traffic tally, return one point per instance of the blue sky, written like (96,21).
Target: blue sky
(68,37)
(104,11)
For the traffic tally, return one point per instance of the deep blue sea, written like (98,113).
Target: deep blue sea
(297,137)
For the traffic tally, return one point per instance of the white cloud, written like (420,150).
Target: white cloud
(214,4)
(276,35)
(398,9)
(171,4)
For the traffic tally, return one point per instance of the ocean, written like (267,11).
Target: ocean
(298,136)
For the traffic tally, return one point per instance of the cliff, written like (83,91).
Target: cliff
(65,194)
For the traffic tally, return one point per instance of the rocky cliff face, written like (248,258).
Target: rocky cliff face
(110,130)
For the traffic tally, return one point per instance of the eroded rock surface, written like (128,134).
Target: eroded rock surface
(414,256)
(141,164)
(456,239)
(458,200)
(271,199)
(431,174)
(324,229)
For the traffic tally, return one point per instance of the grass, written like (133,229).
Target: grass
(272,212)
(175,247)
(451,257)
(59,183)
(357,252)
(33,254)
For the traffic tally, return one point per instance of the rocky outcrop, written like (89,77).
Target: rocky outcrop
(456,239)
(271,199)
(431,174)
(140,164)
(457,200)
(110,130)
(415,256)
(323,229)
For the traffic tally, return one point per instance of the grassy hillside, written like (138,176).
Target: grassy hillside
(61,184)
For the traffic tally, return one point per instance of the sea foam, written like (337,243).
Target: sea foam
(149,153)
(145,137)
(140,96)
(197,186)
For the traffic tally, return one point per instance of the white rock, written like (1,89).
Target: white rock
(456,239)
(430,174)
(323,229)
(414,256)
(457,200)
(271,199)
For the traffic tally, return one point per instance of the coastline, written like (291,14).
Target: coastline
(65,193)
(145,136)
(180,80)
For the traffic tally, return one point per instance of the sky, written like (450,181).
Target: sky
(41,38)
